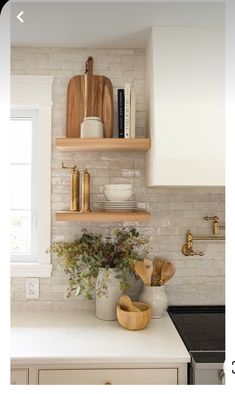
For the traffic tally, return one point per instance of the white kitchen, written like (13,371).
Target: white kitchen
(117,206)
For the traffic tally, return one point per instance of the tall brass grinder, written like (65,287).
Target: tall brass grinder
(74,187)
(85,191)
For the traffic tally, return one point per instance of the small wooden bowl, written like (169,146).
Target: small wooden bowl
(135,320)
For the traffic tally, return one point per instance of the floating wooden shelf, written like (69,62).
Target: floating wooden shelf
(101,216)
(102,144)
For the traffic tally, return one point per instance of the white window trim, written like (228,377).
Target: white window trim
(35,92)
(33,115)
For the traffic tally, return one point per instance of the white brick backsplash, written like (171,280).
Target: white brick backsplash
(174,210)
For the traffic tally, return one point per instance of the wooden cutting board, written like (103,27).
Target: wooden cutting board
(89,95)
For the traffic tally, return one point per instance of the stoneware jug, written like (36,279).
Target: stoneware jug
(108,292)
(156,297)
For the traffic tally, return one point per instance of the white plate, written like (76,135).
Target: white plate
(118,186)
(119,209)
(117,202)
(118,206)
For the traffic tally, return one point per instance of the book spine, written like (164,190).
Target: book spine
(127,110)
(133,111)
(121,112)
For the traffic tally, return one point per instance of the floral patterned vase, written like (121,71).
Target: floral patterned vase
(108,291)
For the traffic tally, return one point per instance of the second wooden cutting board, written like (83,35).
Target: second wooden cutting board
(89,95)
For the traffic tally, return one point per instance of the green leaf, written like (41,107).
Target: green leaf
(78,291)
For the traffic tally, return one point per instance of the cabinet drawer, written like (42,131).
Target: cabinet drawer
(108,376)
(19,376)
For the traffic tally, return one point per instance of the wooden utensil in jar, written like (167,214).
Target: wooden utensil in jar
(166,271)
(169,275)
(156,275)
(140,270)
(149,269)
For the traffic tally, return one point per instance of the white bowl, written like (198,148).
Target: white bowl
(118,194)
(118,187)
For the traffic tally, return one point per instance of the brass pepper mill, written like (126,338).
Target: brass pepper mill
(85,191)
(74,187)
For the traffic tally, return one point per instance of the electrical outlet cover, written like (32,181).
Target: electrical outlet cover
(32,288)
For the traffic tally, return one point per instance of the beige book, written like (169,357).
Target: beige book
(133,112)
(127,110)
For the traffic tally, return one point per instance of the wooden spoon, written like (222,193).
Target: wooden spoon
(165,272)
(126,303)
(157,266)
(170,274)
(140,270)
(149,269)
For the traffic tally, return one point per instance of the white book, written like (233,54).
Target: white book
(127,110)
(133,110)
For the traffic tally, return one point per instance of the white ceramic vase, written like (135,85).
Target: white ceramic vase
(108,291)
(156,297)
(92,127)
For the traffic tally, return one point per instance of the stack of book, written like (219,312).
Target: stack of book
(126,112)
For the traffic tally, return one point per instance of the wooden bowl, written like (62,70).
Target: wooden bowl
(135,320)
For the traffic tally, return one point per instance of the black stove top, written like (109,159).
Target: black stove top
(202,329)
(208,357)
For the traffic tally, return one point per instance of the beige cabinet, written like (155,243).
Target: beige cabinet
(108,376)
(19,376)
(69,374)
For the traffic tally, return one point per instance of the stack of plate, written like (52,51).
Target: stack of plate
(116,206)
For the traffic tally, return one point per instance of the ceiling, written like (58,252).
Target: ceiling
(113,24)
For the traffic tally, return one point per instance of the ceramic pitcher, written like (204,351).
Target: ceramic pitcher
(156,297)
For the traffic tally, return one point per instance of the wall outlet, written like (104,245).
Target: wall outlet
(32,288)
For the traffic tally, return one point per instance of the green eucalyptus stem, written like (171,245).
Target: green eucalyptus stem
(83,257)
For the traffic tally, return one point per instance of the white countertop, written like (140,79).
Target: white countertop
(78,337)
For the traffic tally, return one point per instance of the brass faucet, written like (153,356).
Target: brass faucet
(216,226)
(74,187)
(187,248)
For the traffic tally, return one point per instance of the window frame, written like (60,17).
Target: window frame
(29,114)
(34,92)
